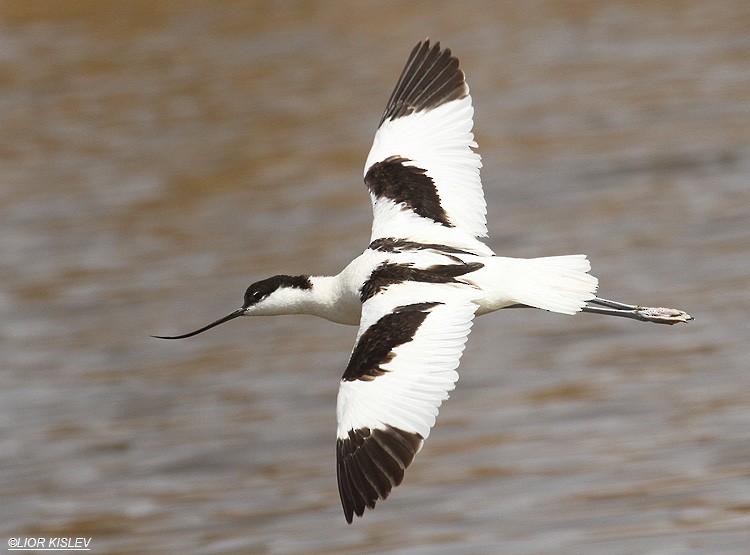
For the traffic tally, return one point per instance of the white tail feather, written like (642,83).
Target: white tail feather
(556,283)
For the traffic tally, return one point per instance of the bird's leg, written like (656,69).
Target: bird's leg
(658,315)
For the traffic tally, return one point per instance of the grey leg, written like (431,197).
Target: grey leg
(658,315)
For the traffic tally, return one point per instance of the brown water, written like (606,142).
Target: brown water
(157,157)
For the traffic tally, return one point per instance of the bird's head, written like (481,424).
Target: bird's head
(280,294)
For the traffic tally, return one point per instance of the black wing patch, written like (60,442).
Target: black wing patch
(369,463)
(391,244)
(375,346)
(430,78)
(389,273)
(409,185)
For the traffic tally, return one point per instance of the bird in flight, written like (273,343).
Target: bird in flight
(425,275)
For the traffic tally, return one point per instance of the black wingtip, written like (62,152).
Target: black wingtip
(430,78)
(370,463)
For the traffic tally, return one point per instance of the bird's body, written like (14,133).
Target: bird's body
(555,283)
(424,276)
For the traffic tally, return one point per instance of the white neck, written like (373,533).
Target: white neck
(330,299)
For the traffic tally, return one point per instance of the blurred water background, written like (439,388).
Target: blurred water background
(158,157)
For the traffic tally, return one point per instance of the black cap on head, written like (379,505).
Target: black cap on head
(261,289)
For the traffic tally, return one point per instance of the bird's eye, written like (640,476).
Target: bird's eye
(253,296)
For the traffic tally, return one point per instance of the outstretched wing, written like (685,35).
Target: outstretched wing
(403,365)
(422,173)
